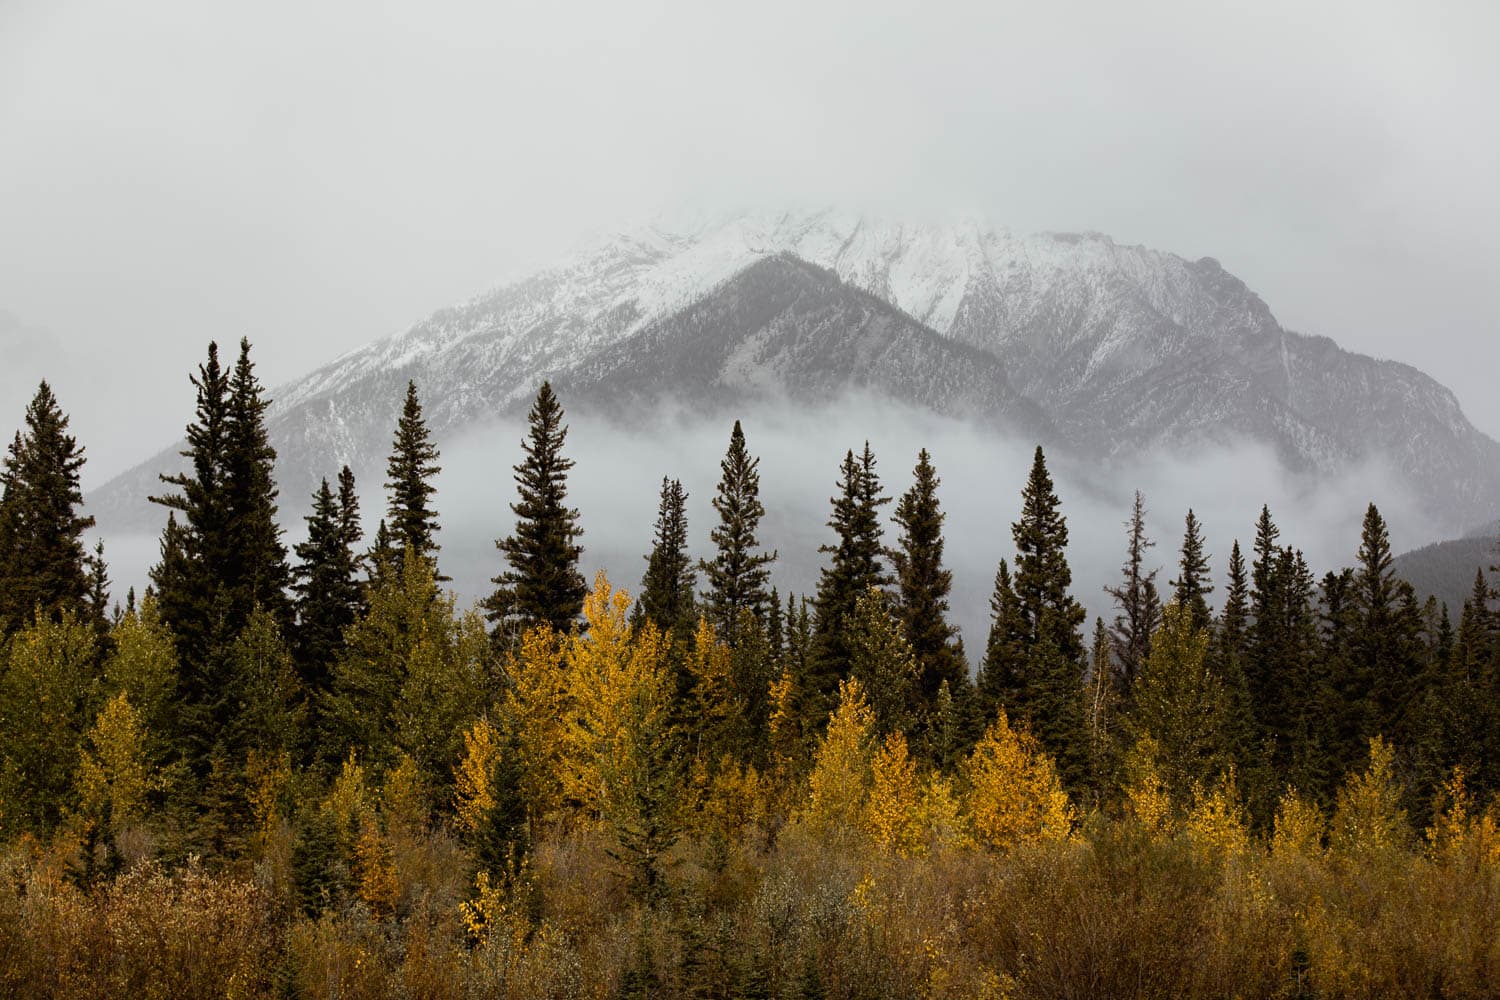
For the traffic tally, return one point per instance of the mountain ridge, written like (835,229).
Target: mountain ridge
(1107,350)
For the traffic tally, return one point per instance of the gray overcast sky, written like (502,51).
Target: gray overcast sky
(314,175)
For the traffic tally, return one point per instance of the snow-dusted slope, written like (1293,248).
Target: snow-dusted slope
(1105,349)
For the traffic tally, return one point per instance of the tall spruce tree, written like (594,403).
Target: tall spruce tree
(667,591)
(256,571)
(1001,670)
(543,585)
(1051,689)
(224,559)
(1137,600)
(189,579)
(329,593)
(1267,620)
(924,586)
(1191,588)
(855,565)
(413,523)
(739,572)
(44,568)
(1384,645)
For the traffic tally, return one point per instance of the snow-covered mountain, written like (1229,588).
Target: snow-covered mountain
(1103,350)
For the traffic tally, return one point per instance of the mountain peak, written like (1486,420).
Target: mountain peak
(1115,349)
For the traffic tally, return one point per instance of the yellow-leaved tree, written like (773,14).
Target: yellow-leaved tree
(1216,822)
(473,781)
(535,709)
(1368,817)
(114,773)
(620,764)
(894,812)
(710,696)
(1014,794)
(840,778)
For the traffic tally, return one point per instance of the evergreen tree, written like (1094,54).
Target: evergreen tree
(1000,672)
(192,579)
(1180,705)
(329,596)
(1050,692)
(667,592)
(97,601)
(882,661)
(924,586)
(381,558)
(854,568)
(1263,643)
(543,585)
(255,572)
(1101,711)
(43,565)
(1234,623)
(1136,597)
(1191,588)
(413,523)
(738,573)
(1383,646)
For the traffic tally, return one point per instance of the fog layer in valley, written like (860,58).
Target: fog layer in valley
(618,474)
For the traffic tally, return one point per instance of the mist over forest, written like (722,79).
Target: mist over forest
(620,464)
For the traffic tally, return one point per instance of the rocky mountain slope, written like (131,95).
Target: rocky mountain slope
(1103,350)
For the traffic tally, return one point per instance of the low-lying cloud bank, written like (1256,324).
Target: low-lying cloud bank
(619,470)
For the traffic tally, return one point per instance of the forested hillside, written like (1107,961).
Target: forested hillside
(296,767)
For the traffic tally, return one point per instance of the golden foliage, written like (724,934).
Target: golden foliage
(1298,830)
(375,869)
(349,802)
(536,705)
(942,815)
(1458,830)
(1368,816)
(784,731)
(1014,794)
(403,796)
(266,778)
(114,775)
(840,778)
(619,688)
(708,666)
(1147,799)
(1216,822)
(473,779)
(735,797)
(894,810)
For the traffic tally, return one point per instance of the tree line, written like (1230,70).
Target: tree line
(251,679)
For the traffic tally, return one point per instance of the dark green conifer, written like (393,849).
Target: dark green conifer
(854,567)
(413,523)
(44,568)
(1000,671)
(543,585)
(1050,693)
(191,580)
(925,584)
(667,592)
(1191,588)
(329,595)
(1137,599)
(739,572)
(255,571)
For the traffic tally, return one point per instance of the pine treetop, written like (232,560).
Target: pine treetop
(543,584)
(412,466)
(738,574)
